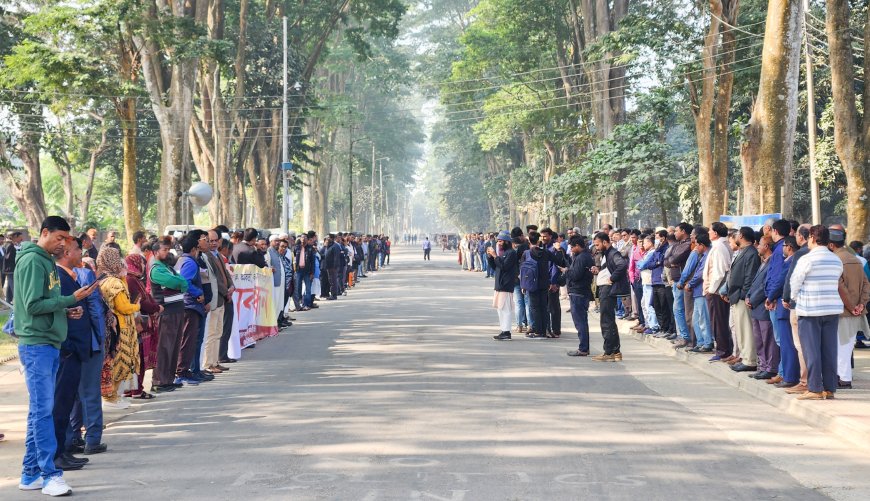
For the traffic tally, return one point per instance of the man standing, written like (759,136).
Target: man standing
(743,271)
(801,236)
(41,326)
(716,270)
(579,281)
(304,263)
(168,289)
(273,259)
(554,309)
(222,290)
(427,249)
(93,250)
(194,305)
(854,290)
(675,264)
(789,368)
(10,250)
(2,255)
(139,241)
(75,350)
(612,281)
(245,252)
(332,259)
(815,284)
(224,255)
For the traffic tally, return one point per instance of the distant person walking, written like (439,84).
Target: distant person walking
(427,249)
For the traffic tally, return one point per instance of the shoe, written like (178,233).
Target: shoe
(784,384)
(315,305)
(729,359)
(829,395)
(672,336)
(797,389)
(95,449)
(177,385)
(183,380)
(331,298)
(763,375)
(61,464)
(221,367)
(811,395)
(706,349)
(734,361)
(860,345)
(844,385)
(680,344)
(214,370)
(715,358)
(534,335)
(228,361)
(617,357)
(577,353)
(56,486)
(75,448)
(604,358)
(504,336)
(206,376)
(33,485)
(741,367)
(72,459)
(122,403)
(648,331)
(774,379)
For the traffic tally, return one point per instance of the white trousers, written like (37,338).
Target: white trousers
(503,302)
(847,331)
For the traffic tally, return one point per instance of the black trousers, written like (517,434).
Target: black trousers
(229,313)
(66,388)
(168,346)
(334,286)
(609,330)
(426,254)
(555,310)
(663,307)
(539,323)
(719,311)
(324,282)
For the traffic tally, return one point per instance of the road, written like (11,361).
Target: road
(397,392)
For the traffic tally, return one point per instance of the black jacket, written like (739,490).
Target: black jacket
(757,294)
(506,270)
(309,258)
(543,258)
(579,278)
(617,265)
(743,271)
(79,334)
(8,263)
(332,257)
(677,258)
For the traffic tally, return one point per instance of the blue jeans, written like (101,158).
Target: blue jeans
(580,316)
(701,321)
(520,300)
(40,365)
(196,363)
(648,312)
(88,409)
(776,335)
(680,314)
(788,356)
(483,264)
(620,309)
(304,277)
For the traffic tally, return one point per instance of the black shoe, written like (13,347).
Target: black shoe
(163,388)
(75,449)
(504,336)
(72,459)
(177,385)
(331,298)
(95,449)
(672,336)
(227,361)
(62,464)
(784,384)
(860,345)
(740,367)
(315,305)
(291,319)
(203,376)
(844,385)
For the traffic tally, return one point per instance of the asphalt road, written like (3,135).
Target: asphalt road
(398,392)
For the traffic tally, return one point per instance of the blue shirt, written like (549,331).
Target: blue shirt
(776,272)
(95,309)
(697,281)
(689,269)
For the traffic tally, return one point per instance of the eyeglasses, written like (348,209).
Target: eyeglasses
(213,241)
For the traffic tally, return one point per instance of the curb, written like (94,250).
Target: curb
(821,415)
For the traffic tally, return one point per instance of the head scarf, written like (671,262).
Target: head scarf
(109,262)
(135,265)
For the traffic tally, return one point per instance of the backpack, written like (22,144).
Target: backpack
(529,273)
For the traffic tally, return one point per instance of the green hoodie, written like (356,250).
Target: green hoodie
(40,315)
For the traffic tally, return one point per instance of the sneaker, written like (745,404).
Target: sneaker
(706,349)
(31,485)
(184,380)
(56,486)
(95,449)
(715,358)
(533,335)
(810,395)
(617,357)
(648,331)
(604,358)
(122,403)
(504,336)
(577,353)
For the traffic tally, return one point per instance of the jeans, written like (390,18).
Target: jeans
(40,363)
(620,309)
(776,338)
(701,320)
(520,300)
(680,314)
(88,409)
(303,277)
(580,316)
(196,361)
(609,330)
(483,263)
(648,311)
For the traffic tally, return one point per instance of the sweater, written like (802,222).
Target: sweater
(39,308)
(815,284)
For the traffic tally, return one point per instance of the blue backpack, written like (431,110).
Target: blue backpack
(529,273)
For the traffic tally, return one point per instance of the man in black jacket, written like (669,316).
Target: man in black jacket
(579,281)
(612,282)
(506,269)
(10,249)
(332,260)
(246,252)
(743,271)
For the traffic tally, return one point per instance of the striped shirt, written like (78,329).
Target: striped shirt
(814,283)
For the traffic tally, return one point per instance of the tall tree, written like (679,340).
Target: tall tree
(851,128)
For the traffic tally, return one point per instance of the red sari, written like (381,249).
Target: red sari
(150,312)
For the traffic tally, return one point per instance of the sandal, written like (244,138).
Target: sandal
(144,396)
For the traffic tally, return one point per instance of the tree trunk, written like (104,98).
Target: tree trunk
(768,149)
(718,180)
(129,201)
(851,131)
(85,204)
(26,190)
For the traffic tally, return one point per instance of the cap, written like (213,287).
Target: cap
(838,235)
(504,236)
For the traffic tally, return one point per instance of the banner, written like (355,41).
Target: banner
(256,315)
(754,221)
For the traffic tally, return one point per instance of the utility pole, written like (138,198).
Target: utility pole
(350,177)
(811,122)
(372,193)
(285,147)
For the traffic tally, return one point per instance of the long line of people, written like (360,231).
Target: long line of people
(787,304)
(91,323)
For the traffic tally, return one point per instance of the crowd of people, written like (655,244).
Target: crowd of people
(90,321)
(787,304)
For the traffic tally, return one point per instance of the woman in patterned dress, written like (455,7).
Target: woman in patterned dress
(148,323)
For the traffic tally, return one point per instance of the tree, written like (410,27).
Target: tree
(851,129)
(768,147)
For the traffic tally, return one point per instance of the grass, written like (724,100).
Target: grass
(8,345)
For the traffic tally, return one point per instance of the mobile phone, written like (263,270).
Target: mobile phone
(101,277)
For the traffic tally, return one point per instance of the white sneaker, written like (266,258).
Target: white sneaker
(56,486)
(122,403)
(32,486)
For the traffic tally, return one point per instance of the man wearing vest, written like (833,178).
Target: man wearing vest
(168,289)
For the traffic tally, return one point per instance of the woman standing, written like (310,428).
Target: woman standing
(149,330)
(506,274)
(122,346)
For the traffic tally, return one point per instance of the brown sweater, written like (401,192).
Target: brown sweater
(854,286)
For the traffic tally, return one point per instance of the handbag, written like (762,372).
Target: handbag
(9,326)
